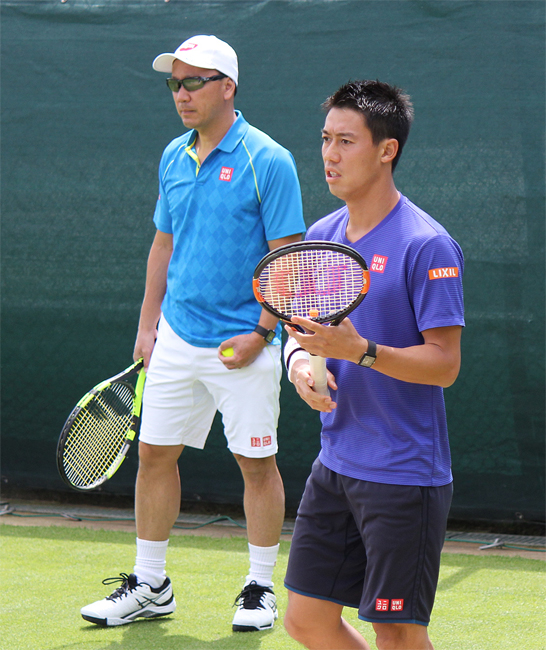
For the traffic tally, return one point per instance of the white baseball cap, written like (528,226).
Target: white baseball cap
(202,51)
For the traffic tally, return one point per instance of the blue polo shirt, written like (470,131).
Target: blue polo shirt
(221,214)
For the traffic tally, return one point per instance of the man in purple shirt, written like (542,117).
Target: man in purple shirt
(372,520)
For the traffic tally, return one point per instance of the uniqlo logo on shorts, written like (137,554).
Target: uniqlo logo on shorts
(266,440)
(256,442)
(226,173)
(447,272)
(381,604)
(397,604)
(379,263)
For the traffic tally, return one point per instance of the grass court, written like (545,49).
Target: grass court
(49,572)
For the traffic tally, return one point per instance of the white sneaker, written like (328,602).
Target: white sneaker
(130,601)
(256,609)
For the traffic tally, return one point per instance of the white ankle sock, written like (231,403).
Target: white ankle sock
(262,563)
(150,561)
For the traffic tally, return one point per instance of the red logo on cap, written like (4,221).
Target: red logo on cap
(188,46)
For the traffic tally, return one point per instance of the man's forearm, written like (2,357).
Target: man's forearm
(156,281)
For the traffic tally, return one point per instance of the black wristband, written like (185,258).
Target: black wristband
(368,358)
(268,335)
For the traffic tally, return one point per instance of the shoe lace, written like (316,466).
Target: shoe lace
(127,585)
(251,596)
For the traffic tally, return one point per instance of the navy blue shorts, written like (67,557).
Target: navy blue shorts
(368,545)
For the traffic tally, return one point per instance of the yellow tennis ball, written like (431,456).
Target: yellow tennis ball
(228,352)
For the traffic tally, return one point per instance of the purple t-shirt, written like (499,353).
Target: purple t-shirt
(386,430)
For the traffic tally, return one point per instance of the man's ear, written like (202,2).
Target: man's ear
(390,149)
(230,88)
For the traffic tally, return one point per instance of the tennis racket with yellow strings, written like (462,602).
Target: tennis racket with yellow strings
(99,431)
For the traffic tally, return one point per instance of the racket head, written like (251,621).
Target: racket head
(99,431)
(319,280)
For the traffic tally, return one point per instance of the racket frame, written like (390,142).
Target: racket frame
(317,364)
(131,431)
(281,251)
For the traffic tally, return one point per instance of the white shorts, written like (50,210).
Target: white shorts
(186,385)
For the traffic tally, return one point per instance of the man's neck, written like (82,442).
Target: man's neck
(366,212)
(209,138)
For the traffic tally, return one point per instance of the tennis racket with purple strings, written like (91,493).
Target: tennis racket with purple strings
(319,280)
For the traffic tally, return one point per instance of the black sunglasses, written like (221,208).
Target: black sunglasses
(192,83)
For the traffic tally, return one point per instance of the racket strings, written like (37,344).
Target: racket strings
(97,435)
(92,451)
(311,283)
(86,461)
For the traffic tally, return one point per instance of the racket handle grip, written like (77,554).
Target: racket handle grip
(318,372)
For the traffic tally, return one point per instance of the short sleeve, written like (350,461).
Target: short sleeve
(435,284)
(162,215)
(281,203)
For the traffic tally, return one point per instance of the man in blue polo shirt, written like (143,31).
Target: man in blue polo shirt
(228,194)
(372,520)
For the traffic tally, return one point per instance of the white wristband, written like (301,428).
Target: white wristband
(292,352)
(300,354)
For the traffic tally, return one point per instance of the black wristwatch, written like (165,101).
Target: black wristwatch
(268,335)
(368,358)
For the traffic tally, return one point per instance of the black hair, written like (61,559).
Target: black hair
(387,110)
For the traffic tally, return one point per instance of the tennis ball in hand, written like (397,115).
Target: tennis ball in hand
(228,352)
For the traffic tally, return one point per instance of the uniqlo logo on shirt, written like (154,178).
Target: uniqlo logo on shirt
(226,173)
(447,272)
(382,605)
(379,263)
(256,442)
(266,440)
(397,604)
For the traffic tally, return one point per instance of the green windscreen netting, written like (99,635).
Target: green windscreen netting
(84,122)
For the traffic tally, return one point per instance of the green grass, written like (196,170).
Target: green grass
(483,603)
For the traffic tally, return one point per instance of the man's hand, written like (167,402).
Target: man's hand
(246,348)
(340,342)
(300,376)
(144,345)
